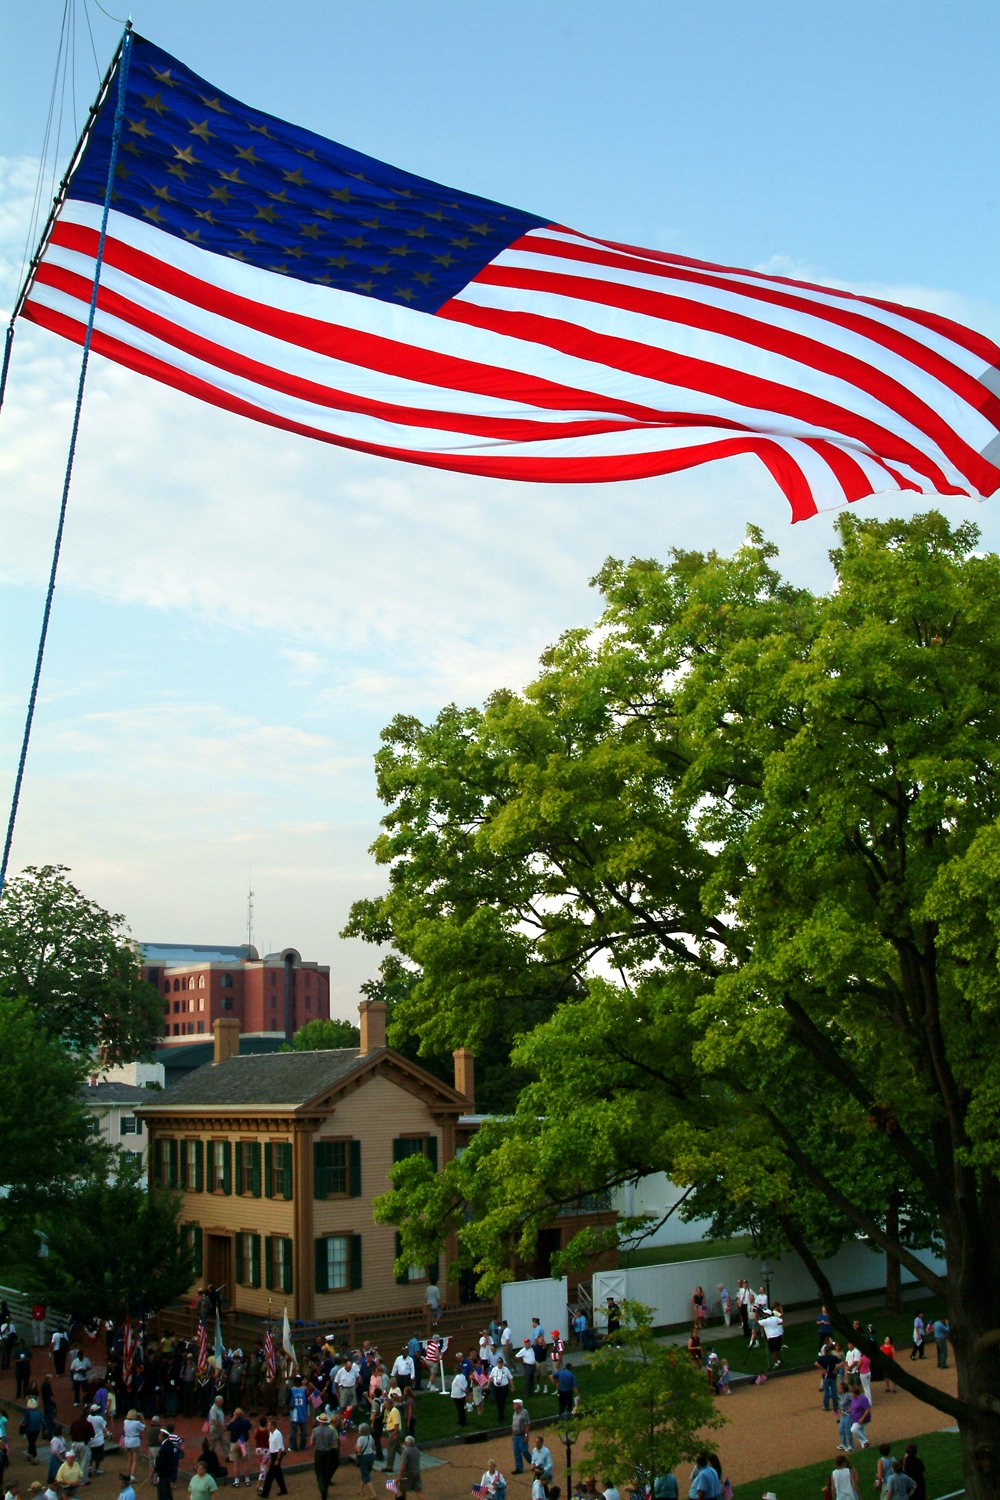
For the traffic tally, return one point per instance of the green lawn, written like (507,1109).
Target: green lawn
(802,1339)
(939,1450)
(666,1255)
(437,1418)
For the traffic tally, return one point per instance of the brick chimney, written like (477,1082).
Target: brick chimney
(465,1076)
(372,1025)
(227,1038)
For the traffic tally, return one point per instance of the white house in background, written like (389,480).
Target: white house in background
(655,1195)
(140,1074)
(112,1108)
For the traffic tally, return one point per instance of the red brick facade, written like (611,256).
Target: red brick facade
(272,996)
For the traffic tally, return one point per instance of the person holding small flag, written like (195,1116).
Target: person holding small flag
(492,1486)
(501,1379)
(409,1481)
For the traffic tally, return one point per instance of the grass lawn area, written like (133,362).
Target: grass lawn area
(940,1452)
(437,1418)
(667,1255)
(802,1339)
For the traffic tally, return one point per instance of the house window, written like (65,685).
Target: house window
(166,987)
(177,1029)
(201,1027)
(129,1125)
(338,1262)
(177,985)
(330,1168)
(248,1259)
(251,1170)
(280,1265)
(274,978)
(281,1169)
(201,981)
(227,1002)
(405,1146)
(201,1002)
(226,982)
(191,983)
(132,1155)
(166,1009)
(93,1125)
(192,1166)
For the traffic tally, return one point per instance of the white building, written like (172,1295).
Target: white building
(655,1195)
(112,1108)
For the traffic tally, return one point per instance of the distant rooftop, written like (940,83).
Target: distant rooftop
(189,953)
(289,1078)
(117,1093)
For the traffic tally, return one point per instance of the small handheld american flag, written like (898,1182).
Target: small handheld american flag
(269,1352)
(202,1347)
(391,1486)
(479,1491)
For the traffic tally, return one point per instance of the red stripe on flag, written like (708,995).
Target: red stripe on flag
(595,469)
(700,375)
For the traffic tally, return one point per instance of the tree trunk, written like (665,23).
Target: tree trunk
(893,1274)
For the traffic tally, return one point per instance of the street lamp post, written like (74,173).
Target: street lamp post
(767,1271)
(568,1436)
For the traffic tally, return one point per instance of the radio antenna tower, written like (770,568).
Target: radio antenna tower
(250,910)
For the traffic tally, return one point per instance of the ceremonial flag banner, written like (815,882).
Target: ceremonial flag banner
(282,276)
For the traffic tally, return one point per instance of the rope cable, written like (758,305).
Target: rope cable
(126,53)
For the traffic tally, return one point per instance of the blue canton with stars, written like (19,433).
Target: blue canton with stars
(223,176)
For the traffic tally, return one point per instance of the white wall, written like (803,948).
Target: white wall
(138,1074)
(654,1195)
(668,1289)
(545,1300)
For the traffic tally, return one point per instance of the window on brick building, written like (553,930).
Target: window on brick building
(226,982)
(201,981)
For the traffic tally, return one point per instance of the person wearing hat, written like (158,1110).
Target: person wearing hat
(520,1427)
(97,1442)
(501,1380)
(42,1491)
(326,1452)
(70,1475)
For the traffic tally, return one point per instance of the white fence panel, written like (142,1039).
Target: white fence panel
(668,1289)
(545,1300)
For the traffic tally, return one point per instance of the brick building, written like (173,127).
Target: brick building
(270,997)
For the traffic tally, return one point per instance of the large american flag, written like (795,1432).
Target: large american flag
(282,276)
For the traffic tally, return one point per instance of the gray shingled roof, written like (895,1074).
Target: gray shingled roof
(266,1078)
(118,1093)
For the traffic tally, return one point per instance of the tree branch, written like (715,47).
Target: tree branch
(825,1053)
(868,1227)
(961,1411)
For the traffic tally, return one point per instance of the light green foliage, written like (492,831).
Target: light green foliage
(727,867)
(656,1414)
(75,964)
(323,1036)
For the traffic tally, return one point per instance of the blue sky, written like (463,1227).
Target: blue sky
(239,611)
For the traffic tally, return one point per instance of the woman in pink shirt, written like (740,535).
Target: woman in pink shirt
(865,1371)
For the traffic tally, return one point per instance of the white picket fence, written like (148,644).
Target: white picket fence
(668,1289)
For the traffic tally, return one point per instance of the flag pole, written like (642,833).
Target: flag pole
(57,204)
(123,66)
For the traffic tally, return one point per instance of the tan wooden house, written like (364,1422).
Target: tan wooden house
(279,1156)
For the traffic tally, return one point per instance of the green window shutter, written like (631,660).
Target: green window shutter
(355,1261)
(286,1266)
(432,1151)
(174,1178)
(432,1271)
(354,1168)
(398,1149)
(320,1188)
(286,1176)
(268,1175)
(321,1266)
(199,1167)
(255,1171)
(227,1167)
(239,1258)
(400,1280)
(238,1167)
(255,1259)
(268,1263)
(158,1161)
(184,1165)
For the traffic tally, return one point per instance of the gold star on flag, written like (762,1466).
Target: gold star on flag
(164,193)
(324,278)
(221,193)
(201,130)
(340,261)
(192,234)
(122,171)
(186,155)
(343,194)
(405,293)
(295,250)
(206,215)
(251,235)
(281,197)
(249,155)
(463,243)
(154,214)
(399,249)
(139,127)
(310,231)
(295,177)
(233,176)
(325,213)
(213,104)
(260,130)
(311,154)
(176,170)
(419,233)
(424,276)
(164,79)
(265,211)
(371,223)
(479,228)
(131,148)
(365,286)
(357,243)
(382,269)
(155,103)
(445,260)
(437,214)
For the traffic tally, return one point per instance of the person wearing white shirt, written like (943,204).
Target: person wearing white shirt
(433,1299)
(773,1328)
(492,1481)
(459,1392)
(610,1493)
(402,1369)
(760,1301)
(527,1357)
(505,1340)
(97,1442)
(743,1305)
(275,1457)
(346,1380)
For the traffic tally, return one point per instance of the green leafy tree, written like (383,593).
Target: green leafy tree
(323,1036)
(744,839)
(76,965)
(114,1248)
(45,1129)
(658,1411)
